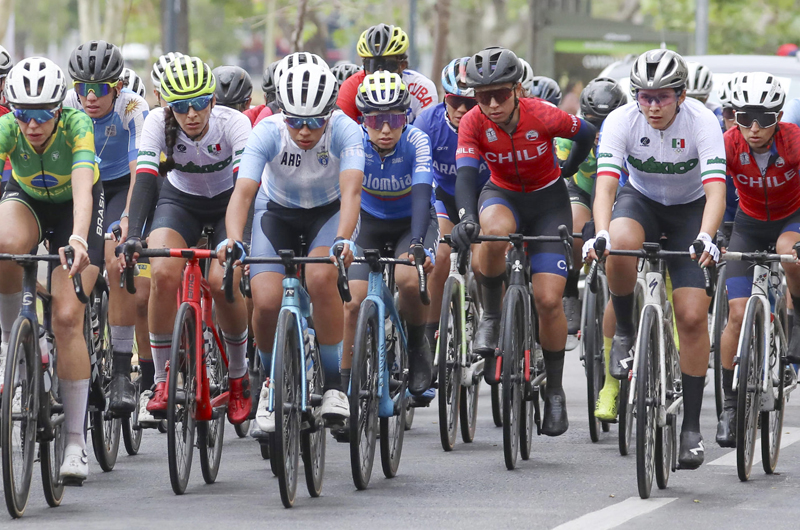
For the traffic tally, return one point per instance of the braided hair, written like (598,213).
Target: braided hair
(170,137)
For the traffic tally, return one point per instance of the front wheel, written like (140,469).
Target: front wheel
(364,395)
(648,399)
(719,321)
(285,450)
(312,438)
(749,389)
(450,344)
(513,358)
(182,385)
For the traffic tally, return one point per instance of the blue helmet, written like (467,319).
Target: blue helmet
(455,74)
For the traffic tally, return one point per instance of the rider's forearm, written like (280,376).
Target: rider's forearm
(130,187)
(142,193)
(466,185)
(605,192)
(350,181)
(714,210)
(82,183)
(239,208)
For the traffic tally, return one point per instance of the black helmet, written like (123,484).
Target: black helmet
(268,81)
(601,96)
(343,71)
(382,40)
(96,61)
(234,86)
(492,66)
(546,89)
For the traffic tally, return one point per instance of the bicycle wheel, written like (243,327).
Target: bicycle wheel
(594,362)
(772,422)
(105,429)
(210,434)
(181,386)
(665,436)
(285,450)
(648,399)
(470,391)
(312,438)
(131,433)
(513,336)
(450,343)
(51,452)
(364,395)
(624,409)
(749,389)
(392,428)
(720,320)
(20,412)
(497,403)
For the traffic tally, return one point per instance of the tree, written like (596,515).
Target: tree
(440,41)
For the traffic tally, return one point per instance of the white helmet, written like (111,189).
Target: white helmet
(527,77)
(35,81)
(658,69)
(757,91)
(699,83)
(5,62)
(293,59)
(160,66)
(725,91)
(132,82)
(307,90)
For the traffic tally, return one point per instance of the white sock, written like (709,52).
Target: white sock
(236,349)
(75,395)
(160,345)
(9,310)
(122,338)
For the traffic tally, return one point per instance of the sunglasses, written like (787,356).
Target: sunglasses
(457,101)
(298,122)
(99,89)
(500,95)
(40,116)
(646,100)
(376,121)
(765,120)
(376,64)
(198,103)
(728,113)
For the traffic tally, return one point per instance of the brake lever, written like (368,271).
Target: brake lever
(69,253)
(698,251)
(418,252)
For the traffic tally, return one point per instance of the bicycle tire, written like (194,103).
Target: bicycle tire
(364,395)
(181,387)
(496,393)
(285,450)
(410,413)
(449,364)
(392,429)
(211,433)
(470,392)
(23,379)
(648,399)
(313,439)
(772,422)
(592,337)
(720,320)
(665,436)
(105,429)
(51,452)
(749,389)
(131,432)
(529,395)
(513,337)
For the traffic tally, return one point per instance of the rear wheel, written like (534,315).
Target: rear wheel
(648,399)
(469,407)
(594,361)
(285,451)
(210,434)
(182,385)
(312,439)
(719,321)
(131,433)
(105,429)
(665,436)
(497,403)
(772,422)
(450,344)
(51,452)
(393,427)
(749,388)
(364,395)
(513,338)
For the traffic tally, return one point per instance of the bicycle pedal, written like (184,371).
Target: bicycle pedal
(315,400)
(72,481)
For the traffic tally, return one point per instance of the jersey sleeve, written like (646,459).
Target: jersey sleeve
(266,112)
(710,148)
(424,119)
(347,96)
(8,135)
(346,143)
(135,113)
(238,133)
(468,152)
(791,112)
(425,93)
(152,143)
(81,138)
(559,124)
(420,146)
(262,146)
(563,148)
(613,144)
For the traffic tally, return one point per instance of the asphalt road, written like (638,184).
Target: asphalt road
(568,481)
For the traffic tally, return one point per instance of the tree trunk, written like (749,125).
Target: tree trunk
(318,43)
(297,35)
(112,21)
(6,10)
(89,19)
(440,42)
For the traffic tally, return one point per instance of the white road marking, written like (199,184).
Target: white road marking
(616,514)
(790,435)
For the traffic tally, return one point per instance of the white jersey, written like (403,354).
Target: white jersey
(669,166)
(206,167)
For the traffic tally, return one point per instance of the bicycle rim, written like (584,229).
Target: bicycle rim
(592,352)
(105,429)
(131,433)
(313,439)
(720,321)
(182,385)
(393,428)
(286,440)
(513,326)
(210,434)
(364,395)
(665,435)
(52,452)
(749,390)
(648,399)
(469,394)
(450,365)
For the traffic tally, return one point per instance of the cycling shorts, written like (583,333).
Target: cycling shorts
(537,213)
(58,219)
(578,195)
(282,228)
(189,214)
(749,235)
(679,223)
(446,206)
(376,233)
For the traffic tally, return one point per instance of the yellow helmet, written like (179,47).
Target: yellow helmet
(187,77)
(382,40)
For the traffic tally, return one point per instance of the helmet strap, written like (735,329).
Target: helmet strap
(516,106)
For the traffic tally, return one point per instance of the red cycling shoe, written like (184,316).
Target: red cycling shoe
(158,403)
(240,403)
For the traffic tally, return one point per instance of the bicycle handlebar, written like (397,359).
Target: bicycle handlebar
(419,261)
(591,278)
(759,257)
(69,253)
(372,256)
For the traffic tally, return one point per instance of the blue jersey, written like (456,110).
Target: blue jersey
(791,112)
(444,142)
(117,134)
(386,190)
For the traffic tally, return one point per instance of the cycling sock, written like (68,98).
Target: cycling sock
(492,295)
(430,331)
(330,355)
(692,401)
(122,338)
(9,310)
(345,377)
(792,321)
(266,361)
(623,308)
(554,366)
(416,335)
(74,396)
(236,350)
(610,382)
(147,373)
(571,289)
(160,345)
(727,385)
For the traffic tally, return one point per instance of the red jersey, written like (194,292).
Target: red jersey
(252,113)
(774,193)
(525,160)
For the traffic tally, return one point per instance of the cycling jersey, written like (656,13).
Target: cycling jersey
(206,167)
(772,192)
(669,166)
(423,93)
(117,134)
(48,177)
(791,111)
(587,171)
(433,121)
(295,178)
(525,160)
(256,114)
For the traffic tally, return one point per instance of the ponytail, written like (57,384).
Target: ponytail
(170,137)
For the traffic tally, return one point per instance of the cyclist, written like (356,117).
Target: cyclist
(526,194)
(396,208)
(527,78)
(304,167)
(55,186)
(440,123)
(343,70)
(234,87)
(157,72)
(270,107)
(675,156)
(763,158)
(5,66)
(545,88)
(728,115)
(133,82)
(118,117)
(203,143)
(384,47)
(698,86)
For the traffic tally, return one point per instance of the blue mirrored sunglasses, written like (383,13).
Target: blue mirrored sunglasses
(297,122)
(40,116)
(198,103)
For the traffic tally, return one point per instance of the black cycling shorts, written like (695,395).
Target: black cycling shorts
(446,206)
(57,218)
(375,233)
(189,214)
(116,193)
(537,213)
(578,195)
(680,223)
(749,235)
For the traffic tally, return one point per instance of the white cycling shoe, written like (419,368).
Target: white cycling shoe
(264,418)
(146,419)
(335,405)
(75,468)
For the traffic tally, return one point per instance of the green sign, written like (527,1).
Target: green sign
(602,47)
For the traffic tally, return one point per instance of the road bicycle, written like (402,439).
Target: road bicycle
(719,319)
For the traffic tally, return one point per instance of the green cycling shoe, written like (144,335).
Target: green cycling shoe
(606,407)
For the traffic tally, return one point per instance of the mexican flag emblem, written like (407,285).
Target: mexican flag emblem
(678,143)
(218,147)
